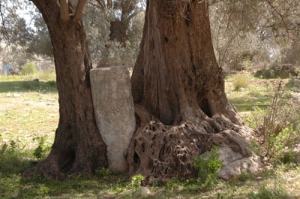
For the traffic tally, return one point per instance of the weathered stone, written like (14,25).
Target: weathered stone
(114,111)
(227,155)
(143,191)
(234,164)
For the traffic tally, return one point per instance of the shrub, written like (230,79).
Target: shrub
(28,69)
(280,146)
(42,148)
(241,80)
(136,181)
(208,166)
(279,127)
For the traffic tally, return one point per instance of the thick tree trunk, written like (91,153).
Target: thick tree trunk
(178,89)
(78,146)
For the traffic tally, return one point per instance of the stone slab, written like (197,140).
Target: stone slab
(114,112)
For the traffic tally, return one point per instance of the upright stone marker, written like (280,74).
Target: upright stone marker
(114,111)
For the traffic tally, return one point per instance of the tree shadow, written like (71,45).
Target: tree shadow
(26,86)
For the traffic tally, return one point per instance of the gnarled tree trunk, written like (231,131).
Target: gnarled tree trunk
(78,146)
(178,90)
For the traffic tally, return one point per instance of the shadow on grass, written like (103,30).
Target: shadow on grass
(115,185)
(25,86)
(250,107)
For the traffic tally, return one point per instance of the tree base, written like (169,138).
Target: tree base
(161,152)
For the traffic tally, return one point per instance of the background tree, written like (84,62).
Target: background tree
(117,27)
(40,43)
(257,31)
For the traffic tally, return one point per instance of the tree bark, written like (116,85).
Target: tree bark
(78,146)
(178,90)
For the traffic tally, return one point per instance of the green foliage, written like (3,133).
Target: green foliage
(28,69)
(103,172)
(208,166)
(41,150)
(136,181)
(11,159)
(172,184)
(281,144)
(266,193)
(241,80)
(278,128)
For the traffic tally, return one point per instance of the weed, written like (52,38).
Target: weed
(281,145)
(136,181)
(278,124)
(208,167)
(42,148)
(241,80)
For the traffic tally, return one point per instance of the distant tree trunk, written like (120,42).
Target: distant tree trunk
(178,90)
(78,146)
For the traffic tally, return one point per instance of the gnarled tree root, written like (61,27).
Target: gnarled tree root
(161,152)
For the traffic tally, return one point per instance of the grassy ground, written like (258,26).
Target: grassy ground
(29,117)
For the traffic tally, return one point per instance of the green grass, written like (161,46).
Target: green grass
(29,111)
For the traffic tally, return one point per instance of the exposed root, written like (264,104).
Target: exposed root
(47,168)
(160,152)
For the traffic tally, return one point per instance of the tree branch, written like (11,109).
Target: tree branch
(79,10)
(281,17)
(64,10)
(101,3)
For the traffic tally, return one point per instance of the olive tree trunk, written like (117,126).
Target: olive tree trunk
(178,90)
(78,146)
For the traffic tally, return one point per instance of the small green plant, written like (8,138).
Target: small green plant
(41,149)
(103,172)
(136,181)
(172,184)
(281,145)
(241,80)
(28,69)
(208,166)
